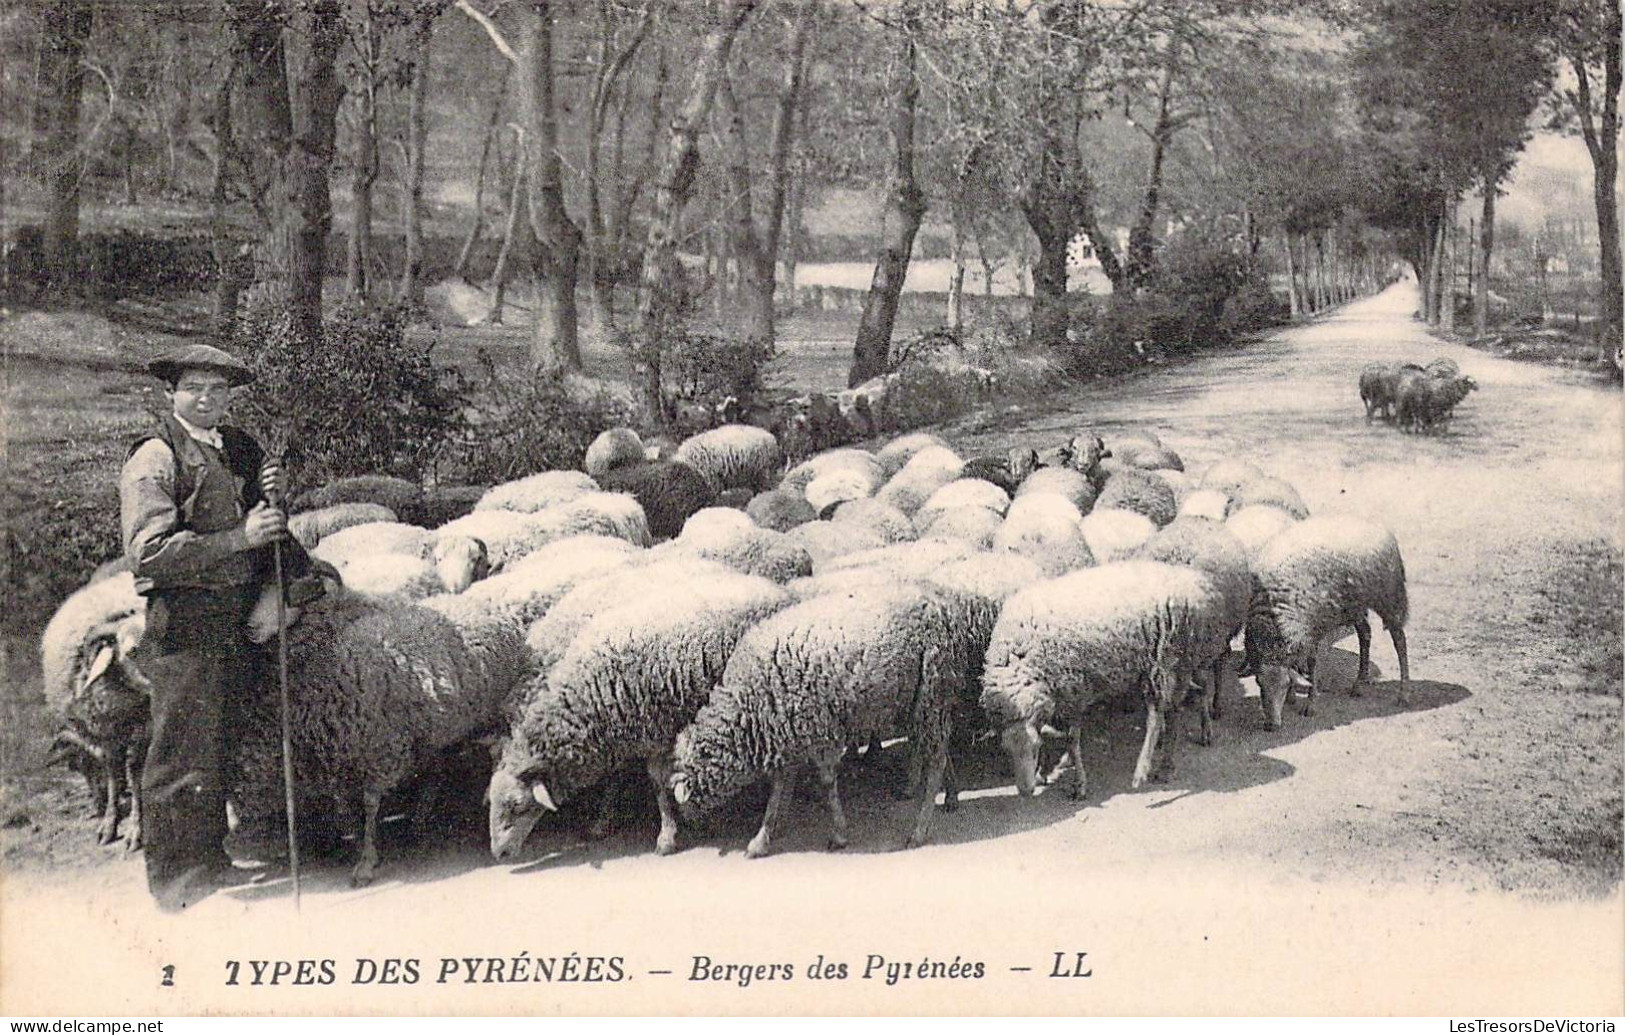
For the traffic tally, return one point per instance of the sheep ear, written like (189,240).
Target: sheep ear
(538,790)
(98,667)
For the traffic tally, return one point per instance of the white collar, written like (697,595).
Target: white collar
(208,435)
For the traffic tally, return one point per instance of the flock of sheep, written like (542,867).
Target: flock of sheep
(1416,398)
(715,620)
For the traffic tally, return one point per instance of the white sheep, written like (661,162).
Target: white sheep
(780,509)
(1140,491)
(752,550)
(535,583)
(1273,492)
(630,679)
(1046,528)
(1227,476)
(734,456)
(1064,644)
(886,521)
(839,486)
(963,492)
(537,492)
(367,550)
(912,560)
(974,526)
(613,448)
(716,521)
(899,451)
(826,540)
(1074,485)
(313,526)
(1311,580)
(1256,525)
(1113,534)
(1208,504)
(510,535)
(858,462)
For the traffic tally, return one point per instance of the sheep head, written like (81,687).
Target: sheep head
(515,808)
(1021,742)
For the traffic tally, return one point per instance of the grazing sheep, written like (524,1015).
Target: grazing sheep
(372,538)
(458,560)
(973,526)
(378,688)
(899,451)
(751,550)
(963,492)
(1271,492)
(885,520)
(509,535)
(94,689)
(1113,534)
(826,540)
(395,575)
(1256,525)
(1045,528)
(992,577)
(629,681)
(846,580)
(313,526)
(734,456)
(1379,388)
(1063,644)
(910,560)
(937,462)
(1227,476)
(716,521)
(826,673)
(669,491)
(848,459)
(780,509)
(532,585)
(1141,492)
(1317,576)
(1424,401)
(839,486)
(1074,485)
(398,494)
(1208,504)
(537,492)
(616,447)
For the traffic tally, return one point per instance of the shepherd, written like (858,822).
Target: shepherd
(200,529)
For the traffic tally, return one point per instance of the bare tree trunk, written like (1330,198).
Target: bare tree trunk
(59,85)
(1486,247)
(1293,300)
(364,170)
(556,342)
(956,282)
(662,313)
(905,209)
(308,214)
(411,290)
(473,238)
(1447,268)
(229,282)
(1602,142)
(1141,261)
(261,141)
(516,204)
(1048,218)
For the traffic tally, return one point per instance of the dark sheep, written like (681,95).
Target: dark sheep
(668,490)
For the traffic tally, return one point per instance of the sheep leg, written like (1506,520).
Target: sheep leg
(1210,701)
(928,798)
(760,844)
(1397,634)
(134,761)
(660,773)
(829,762)
(113,778)
(1362,629)
(367,866)
(1074,750)
(423,809)
(1148,750)
(604,824)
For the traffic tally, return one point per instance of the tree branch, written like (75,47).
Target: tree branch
(490,28)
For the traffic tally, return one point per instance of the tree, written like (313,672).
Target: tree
(59,86)
(421,20)
(1588,38)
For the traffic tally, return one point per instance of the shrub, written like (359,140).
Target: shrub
(519,425)
(364,399)
(708,368)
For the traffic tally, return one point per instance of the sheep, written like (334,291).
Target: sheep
(963,492)
(734,456)
(846,580)
(510,535)
(839,486)
(1181,483)
(1113,533)
(537,492)
(614,448)
(94,687)
(735,499)
(1443,368)
(886,521)
(1044,527)
(629,681)
(374,537)
(935,462)
(1207,504)
(826,540)
(397,494)
(1227,476)
(908,560)
(669,491)
(1256,525)
(1141,492)
(535,583)
(716,520)
(1074,485)
(899,451)
(1423,400)
(797,478)
(780,509)
(1152,458)
(816,677)
(443,503)
(378,688)
(549,636)
(1317,576)
(752,550)
(393,575)
(1267,491)
(458,560)
(1063,644)
(973,526)
(1379,386)
(1084,453)
(992,577)
(1206,546)
(1007,472)
(313,526)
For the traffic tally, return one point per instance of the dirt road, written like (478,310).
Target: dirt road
(1461,856)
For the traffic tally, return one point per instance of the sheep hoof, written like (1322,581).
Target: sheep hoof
(1080,786)
(132,842)
(837,843)
(666,846)
(1306,708)
(756,849)
(360,878)
(107,830)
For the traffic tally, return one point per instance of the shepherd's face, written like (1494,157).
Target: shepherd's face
(201,397)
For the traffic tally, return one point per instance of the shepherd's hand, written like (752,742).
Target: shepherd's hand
(272,483)
(265,525)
